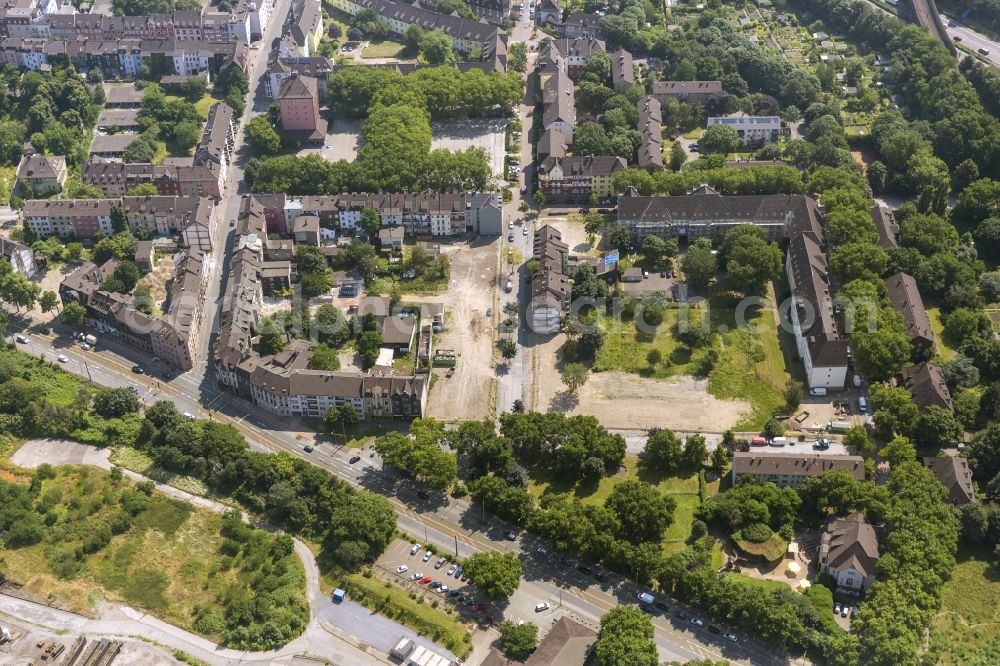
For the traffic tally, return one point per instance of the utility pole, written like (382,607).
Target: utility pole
(87,368)
(456,546)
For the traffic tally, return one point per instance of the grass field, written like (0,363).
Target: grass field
(384,49)
(749,365)
(771,550)
(7,177)
(137,461)
(762,583)
(103,539)
(396,604)
(966,631)
(683,490)
(943,348)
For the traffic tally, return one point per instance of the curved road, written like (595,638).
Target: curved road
(123,621)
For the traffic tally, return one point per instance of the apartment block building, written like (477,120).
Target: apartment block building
(753,130)
(688,91)
(116,179)
(579,178)
(191,217)
(792,469)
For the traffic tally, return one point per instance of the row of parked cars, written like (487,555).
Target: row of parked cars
(647,602)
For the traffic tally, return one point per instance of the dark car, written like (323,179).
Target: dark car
(454,593)
(137,369)
(166,375)
(714,629)
(601,576)
(510,536)
(662,606)
(354,459)
(307,448)
(422,494)
(584,570)
(646,608)
(680,616)
(45,330)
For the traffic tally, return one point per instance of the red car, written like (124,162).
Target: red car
(956,38)
(480,608)
(425,580)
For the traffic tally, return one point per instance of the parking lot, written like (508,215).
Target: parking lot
(427,573)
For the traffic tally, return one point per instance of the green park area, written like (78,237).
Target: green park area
(966,631)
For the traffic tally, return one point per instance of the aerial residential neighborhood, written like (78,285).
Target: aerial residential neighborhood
(494,332)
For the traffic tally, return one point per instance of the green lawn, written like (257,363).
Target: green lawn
(384,49)
(943,348)
(771,550)
(7,177)
(749,366)
(762,583)
(966,631)
(683,490)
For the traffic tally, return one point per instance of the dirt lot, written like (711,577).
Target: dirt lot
(622,400)
(572,232)
(157,280)
(469,393)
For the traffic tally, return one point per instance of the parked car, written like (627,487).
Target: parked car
(414,549)
(454,593)
(416,576)
(680,615)
(510,238)
(856,380)
(662,606)
(458,572)
(45,330)
(442,588)
(698,622)
(646,598)
(62,358)
(956,38)
(542,551)
(714,629)
(863,404)
(584,570)
(307,448)
(730,636)
(541,606)
(983,51)
(425,580)
(435,585)
(137,369)
(836,608)
(355,459)
(22,339)
(510,536)
(440,563)
(402,568)
(451,570)
(427,555)
(844,611)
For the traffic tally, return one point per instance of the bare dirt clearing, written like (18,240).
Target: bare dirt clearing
(622,400)
(468,394)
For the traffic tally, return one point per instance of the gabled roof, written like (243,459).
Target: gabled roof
(41,166)
(850,543)
(904,296)
(687,87)
(926,384)
(953,473)
(298,87)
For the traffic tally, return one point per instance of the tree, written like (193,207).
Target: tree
(272,338)
(677,156)
(518,640)
(720,139)
(324,357)
(858,261)
(574,375)
(370,221)
(116,402)
(262,137)
(74,251)
(663,450)
(654,357)
(720,459)
(695,451)
(699,264)
(48,301)
(339,418)
(898,451)
(773,428)
(884,349)
(140,190)
(626,638)
(893,410)
(330,326)
(368,345)
(620,236)
(186,135)
(496,574)
(436,48)
(508,348)
(751,262)
(643,513)
(936,426)
(74,314)
(517,57)
(857,438)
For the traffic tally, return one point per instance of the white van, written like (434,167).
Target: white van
(646,598)
(779,441)
(817,392)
